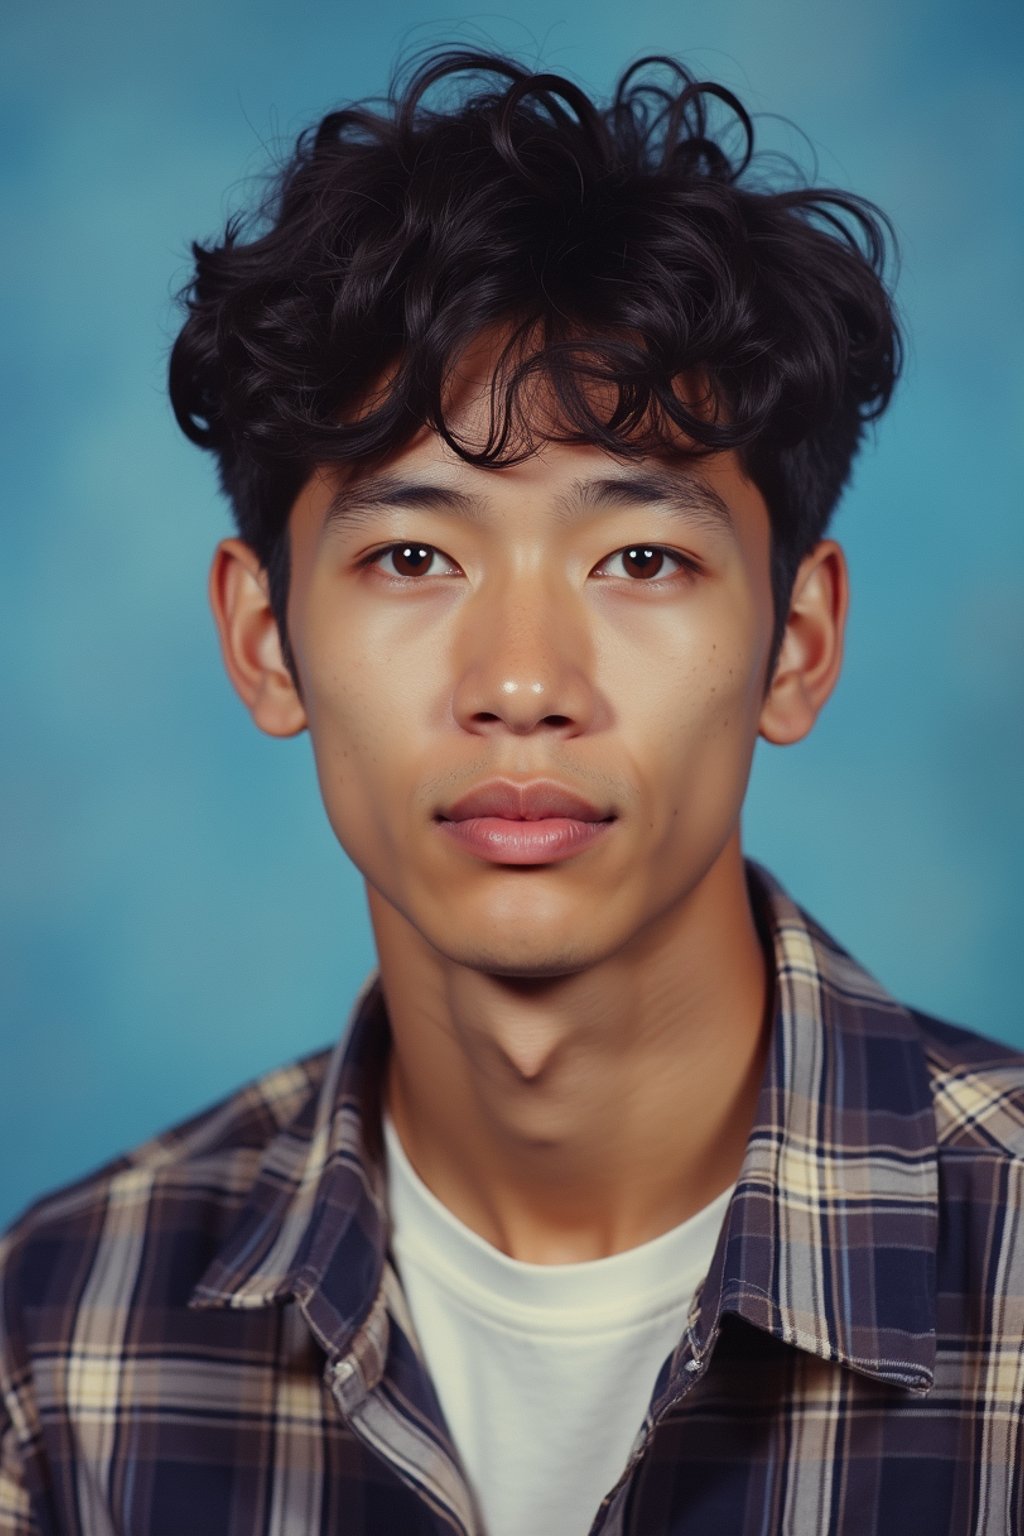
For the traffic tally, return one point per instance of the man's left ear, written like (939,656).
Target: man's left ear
(811,653)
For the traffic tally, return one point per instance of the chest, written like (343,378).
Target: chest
(770,1442)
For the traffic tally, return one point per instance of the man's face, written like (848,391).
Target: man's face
(577,623)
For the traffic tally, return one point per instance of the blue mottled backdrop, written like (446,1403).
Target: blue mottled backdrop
(176,915)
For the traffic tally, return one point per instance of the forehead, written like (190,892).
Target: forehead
(567,480)
(506,377)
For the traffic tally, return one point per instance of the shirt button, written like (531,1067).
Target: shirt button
(347,1384)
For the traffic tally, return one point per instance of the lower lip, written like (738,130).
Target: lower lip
(548,841)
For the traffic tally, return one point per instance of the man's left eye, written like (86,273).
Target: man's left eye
(642,562)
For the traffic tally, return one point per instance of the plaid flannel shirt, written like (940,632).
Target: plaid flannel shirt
(208,1338)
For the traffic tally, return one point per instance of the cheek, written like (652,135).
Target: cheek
(371,699)
(349,726)
(347,751)
(690,691)
(713,728)
(688,712)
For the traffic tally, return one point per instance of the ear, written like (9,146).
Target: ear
(811,653)
(249,640)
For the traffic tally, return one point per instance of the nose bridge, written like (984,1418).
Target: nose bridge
(524,655)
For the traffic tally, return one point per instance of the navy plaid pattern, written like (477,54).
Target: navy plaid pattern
(208,1337)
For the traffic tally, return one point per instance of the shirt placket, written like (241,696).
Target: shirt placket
(689,1364)
(358,1383)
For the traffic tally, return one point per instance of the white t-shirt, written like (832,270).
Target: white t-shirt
(544,1371)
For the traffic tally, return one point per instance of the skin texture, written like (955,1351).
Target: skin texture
(578,1045)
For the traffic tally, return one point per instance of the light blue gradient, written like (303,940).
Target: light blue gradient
(176,914)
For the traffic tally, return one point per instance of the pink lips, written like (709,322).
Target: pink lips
(535,823)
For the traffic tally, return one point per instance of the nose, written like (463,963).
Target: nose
(524,662)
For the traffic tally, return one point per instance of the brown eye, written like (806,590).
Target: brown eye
(410,559)
(642,561)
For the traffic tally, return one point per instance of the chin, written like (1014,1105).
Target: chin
(519,961)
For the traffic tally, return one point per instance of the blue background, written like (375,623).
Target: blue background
(176,915)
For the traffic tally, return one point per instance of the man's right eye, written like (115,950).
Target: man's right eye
(409,560)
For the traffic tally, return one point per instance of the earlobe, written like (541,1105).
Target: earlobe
(811,653)
(250,642)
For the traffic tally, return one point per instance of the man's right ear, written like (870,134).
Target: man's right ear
(250,642)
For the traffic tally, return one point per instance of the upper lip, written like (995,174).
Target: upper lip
(533,801)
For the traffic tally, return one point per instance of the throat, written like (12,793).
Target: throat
(529,1048)
(571,1117)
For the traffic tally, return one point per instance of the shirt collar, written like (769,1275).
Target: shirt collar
(829,1240)
(314,1226)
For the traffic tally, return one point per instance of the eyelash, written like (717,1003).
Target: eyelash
(683,566)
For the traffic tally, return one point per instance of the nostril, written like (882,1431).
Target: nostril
(554,722)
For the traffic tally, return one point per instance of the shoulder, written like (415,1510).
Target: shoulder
(191,1179)
(977,1089)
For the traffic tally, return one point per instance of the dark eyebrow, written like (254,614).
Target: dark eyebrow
(682,493)
(354,503)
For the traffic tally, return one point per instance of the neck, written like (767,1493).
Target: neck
(573,1117)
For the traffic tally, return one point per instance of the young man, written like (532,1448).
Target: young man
(628,1203)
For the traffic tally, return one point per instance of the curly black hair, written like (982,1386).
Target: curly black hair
(623,245)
